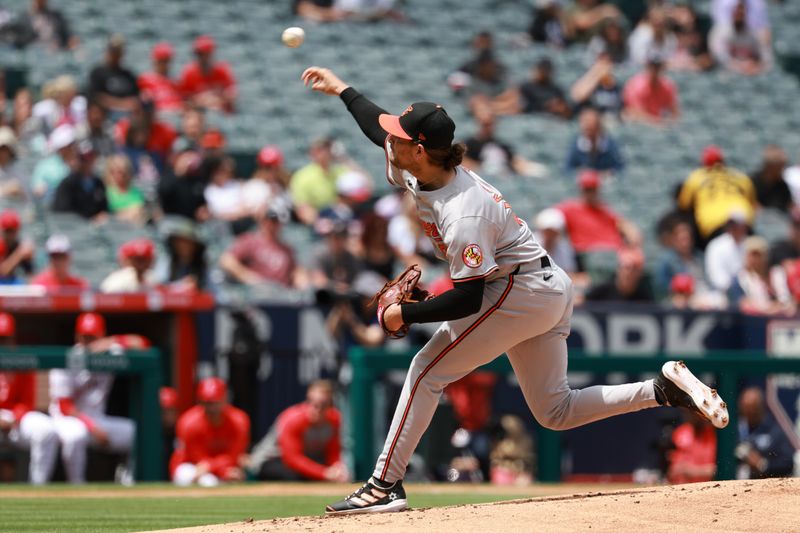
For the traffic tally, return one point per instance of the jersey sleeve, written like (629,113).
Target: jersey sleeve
(190,434)
(333,449)
(290,442)
(471,244)
(24,394)
(239,440)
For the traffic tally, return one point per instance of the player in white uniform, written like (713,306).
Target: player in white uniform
(78,406)
(509,297)
(20,424)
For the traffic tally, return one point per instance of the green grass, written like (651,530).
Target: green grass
(122,514)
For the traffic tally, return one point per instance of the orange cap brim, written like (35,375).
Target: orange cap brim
(391,125)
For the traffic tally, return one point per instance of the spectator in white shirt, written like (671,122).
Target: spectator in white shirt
(725,253)
(652,36)
(62,105)
(550,225)
(136,258)
(267,187)
(737,47)
(224,192)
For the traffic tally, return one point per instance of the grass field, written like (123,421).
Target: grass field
(106,509)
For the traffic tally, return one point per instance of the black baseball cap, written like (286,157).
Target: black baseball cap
(424,123)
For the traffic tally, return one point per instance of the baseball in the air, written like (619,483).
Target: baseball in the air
(293,37)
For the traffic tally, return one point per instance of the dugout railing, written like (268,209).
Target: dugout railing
(144,369)
(369,364)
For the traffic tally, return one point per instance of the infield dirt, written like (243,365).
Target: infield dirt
(731,506)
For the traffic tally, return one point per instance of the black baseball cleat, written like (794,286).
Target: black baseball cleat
(372,498)
(676,386)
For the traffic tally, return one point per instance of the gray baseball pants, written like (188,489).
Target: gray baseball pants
(527,316)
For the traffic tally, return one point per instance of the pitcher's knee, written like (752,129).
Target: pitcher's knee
(554,422)
(555,415)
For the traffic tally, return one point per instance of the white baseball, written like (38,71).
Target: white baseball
(293,37)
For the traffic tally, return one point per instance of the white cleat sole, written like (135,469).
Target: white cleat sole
(392,507)
(705,398)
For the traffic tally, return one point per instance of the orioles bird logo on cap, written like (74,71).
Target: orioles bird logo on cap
(408,110)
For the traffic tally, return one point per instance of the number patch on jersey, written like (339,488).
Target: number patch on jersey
(473,256)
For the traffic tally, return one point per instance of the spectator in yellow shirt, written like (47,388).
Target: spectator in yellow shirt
(714,191)
(313,187)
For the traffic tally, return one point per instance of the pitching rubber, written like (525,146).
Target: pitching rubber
(705,398)
(392,507)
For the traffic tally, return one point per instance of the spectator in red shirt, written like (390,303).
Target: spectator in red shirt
(591,225)
(58,277)
(162,89)
(261,256)
(16,254)
(213,438)
(159,136)
(650,96)
(694,458)
(303,444)
(19,423)
(206,83)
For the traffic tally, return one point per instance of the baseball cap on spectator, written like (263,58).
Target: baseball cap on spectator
(90,325)
(737,216)
(682,283)
(550,218)
(354,185)
(9,220)
(270,156)
(7,325)
(58,245)
(424,123)
(589,179)
(86,150)
(712,155)
(755,243)
(204,44)
(213,139)
(61,137)
(272,214)
(8,139)
(162,51)
(331,225)
(168,397)
(211,390)
(141,248)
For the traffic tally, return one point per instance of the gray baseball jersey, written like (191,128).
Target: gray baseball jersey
(525,313)
(471,225)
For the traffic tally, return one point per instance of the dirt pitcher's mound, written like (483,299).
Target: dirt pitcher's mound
(761,506)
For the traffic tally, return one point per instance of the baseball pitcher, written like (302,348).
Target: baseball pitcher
(508,296)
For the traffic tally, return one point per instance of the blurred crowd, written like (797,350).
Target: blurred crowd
(133,144)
